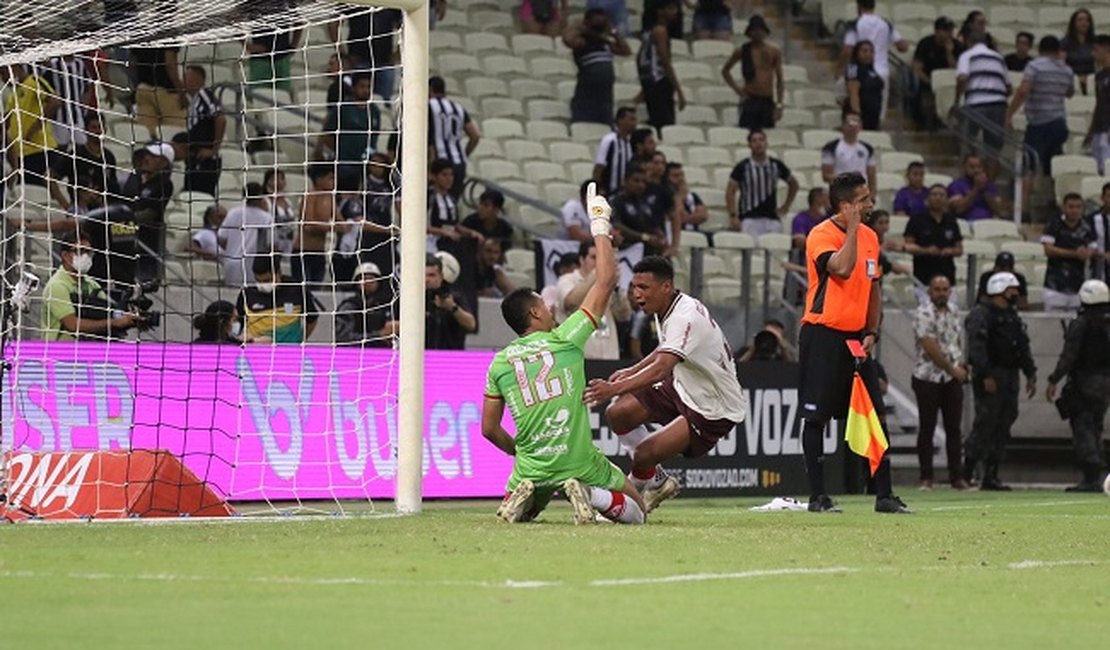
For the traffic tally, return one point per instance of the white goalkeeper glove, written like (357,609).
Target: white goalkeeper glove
(600,212)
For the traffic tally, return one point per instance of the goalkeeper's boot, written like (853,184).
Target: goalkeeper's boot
(661,488)
(579,497)
(517,504)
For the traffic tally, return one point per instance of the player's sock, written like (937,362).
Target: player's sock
(632,438)
(642,478)
(616,506)
(813,448)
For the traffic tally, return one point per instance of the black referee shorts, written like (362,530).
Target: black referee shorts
(827,369)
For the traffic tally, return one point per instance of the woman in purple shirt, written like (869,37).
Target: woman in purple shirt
(910,200)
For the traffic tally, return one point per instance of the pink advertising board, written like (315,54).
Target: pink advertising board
(262,422)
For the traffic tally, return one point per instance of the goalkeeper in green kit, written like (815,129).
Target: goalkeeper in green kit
(541,378)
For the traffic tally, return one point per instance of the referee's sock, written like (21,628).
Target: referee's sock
(884,484)
(813,434)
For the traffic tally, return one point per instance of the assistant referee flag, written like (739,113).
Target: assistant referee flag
(862,431)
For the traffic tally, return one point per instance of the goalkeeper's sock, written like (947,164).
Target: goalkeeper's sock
(641,478)
(616,506)
(632,438)
(813,448)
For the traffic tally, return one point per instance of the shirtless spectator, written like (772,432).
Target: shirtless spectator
(761,96)
(594,42)
(318,213)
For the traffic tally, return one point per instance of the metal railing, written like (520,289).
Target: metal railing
(1013,155)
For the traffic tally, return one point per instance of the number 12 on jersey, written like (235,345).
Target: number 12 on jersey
(541,388)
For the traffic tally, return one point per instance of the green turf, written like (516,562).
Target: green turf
(1027,569)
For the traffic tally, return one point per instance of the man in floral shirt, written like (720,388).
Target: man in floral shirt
(938,377)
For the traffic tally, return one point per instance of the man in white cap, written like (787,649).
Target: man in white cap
(147,191)
(997,349)
(365,318)
(1085,360)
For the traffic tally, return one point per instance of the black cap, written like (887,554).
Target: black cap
(1004,260)
(945,23)
(757,22)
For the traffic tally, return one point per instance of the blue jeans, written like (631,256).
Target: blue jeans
(1047,140)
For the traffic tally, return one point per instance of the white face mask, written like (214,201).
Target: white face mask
(236,329)
(82,263)
(265,287)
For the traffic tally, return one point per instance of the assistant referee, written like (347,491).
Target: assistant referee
(843,302)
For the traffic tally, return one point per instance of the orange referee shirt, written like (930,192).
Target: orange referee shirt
(840,303)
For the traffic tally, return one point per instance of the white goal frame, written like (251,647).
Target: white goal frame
(414,216)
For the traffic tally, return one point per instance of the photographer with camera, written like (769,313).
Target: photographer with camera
(73,304)
(447,315)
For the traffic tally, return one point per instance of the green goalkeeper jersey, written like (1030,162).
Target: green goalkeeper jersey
(541,377)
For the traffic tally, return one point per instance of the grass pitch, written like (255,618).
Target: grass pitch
(1020,570)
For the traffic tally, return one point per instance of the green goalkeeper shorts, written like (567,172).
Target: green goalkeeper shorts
(598,472)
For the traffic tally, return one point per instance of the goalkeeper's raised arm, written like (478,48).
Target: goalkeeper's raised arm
(597,298)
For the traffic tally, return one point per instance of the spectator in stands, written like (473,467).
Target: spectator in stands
(650,18)
(348,229)
(576,223)
(756,180)
(615,10)
(911,199)
(352,131)
(339,90)
(939,52)
(159,92)
(1003,263)
(761,96)
(658,82)
(1098,135)
(74,304)
(319,211)
(882,34)
(199,147)
(382,200)
(1020,57)
(545,17)
(712,19)
(879,221)
(660,197)
(273,181)
(848,153)
(614,153)
(603,343)
(487,220)
(490,279)
(220,323)
(1046,83)
(244,235)
(72,77)
(1099,221)
(448,121)
(643,144)
(692,211)
(804,221)
(593,43)
(1069,242)
(30,142)
(444,225)
(147,192)
(935,241)
(1078,46)
(550,295)
(371,45)
(89,163)
(975,23)
(974,196)
(634,218)
(865,87)
(270,57)
(938,378)
(205,243)
(447,314)
(983,83)
(275,311)
(366,318)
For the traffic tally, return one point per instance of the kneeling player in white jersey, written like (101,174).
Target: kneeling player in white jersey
(541,376)
(688,384)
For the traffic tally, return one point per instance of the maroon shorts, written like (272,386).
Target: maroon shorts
(664,404)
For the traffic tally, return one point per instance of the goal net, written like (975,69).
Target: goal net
(200,256)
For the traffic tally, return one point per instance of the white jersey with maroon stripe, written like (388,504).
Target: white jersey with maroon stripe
(705,379)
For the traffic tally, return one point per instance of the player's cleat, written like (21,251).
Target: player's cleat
(515,506)
(656,494)
(822,503)
(579,497)
(892,505)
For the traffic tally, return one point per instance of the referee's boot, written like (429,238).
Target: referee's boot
(822,503)
(892,505)
(991,482)
(517,506)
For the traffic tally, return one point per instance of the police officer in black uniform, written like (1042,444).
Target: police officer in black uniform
(998,348)
(1085,360)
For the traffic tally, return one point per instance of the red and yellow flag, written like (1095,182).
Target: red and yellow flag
(862,430)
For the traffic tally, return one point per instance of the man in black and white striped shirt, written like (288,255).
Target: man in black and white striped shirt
(756,179)
(448,121)
(614,153)
(72,78)
(200,144)
(984,83)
